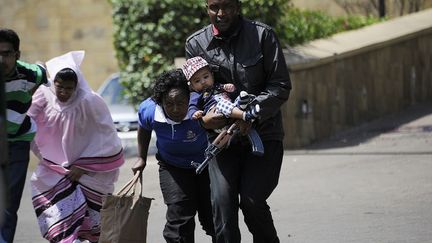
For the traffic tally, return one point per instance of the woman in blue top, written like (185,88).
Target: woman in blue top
(180,141)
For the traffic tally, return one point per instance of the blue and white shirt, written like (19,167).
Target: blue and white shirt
(178,143)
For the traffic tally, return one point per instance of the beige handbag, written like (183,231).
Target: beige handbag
(124,216)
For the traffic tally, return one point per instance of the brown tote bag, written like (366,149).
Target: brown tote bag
(124,215)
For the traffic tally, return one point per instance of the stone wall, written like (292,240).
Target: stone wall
(51,27)
(358,76)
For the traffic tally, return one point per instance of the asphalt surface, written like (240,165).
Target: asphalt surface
(370,184)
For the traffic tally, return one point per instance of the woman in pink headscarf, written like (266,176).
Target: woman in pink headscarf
(79,153)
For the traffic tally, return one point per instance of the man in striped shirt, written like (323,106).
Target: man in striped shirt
(21,80)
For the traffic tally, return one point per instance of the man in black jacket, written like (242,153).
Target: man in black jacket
(247,54)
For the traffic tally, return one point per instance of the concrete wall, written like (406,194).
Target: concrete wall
(51,27)
(358,76)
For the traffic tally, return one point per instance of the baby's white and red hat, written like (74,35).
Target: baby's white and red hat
(192,65)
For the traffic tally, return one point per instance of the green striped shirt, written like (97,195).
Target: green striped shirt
(19,90)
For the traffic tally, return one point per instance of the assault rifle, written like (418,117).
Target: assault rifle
(223,139)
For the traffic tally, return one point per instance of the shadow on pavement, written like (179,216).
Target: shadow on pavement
(387,124)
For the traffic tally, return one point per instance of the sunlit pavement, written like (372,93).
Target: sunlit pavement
(372,184)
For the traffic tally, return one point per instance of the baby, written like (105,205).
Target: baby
(208,94)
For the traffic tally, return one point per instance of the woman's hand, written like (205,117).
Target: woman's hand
(75,173)
(139,165)
(213,120)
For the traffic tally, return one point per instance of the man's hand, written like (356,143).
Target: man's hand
(213,120)
(139,165)
(75,173)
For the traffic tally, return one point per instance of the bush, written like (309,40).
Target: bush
(303,26)
(148,35)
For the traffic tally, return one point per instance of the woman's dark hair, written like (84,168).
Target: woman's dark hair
(167,81)
(10,36)
(67,74)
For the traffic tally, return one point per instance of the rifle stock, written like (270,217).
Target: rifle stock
(221,141)
(203,165)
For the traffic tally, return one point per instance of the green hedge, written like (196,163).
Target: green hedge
(149,34)
(303,26)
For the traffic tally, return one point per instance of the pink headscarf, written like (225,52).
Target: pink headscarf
(79,131)
(73,61)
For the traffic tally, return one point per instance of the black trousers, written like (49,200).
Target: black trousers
(16,172)
(185,194)
(242,180)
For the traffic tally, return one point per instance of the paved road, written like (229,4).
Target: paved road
(371,184)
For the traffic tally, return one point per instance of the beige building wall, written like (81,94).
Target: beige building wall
(50,28)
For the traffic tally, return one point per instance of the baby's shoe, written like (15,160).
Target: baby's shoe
(252,113)
(244,99)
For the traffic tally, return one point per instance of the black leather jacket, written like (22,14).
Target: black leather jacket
(252,59)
